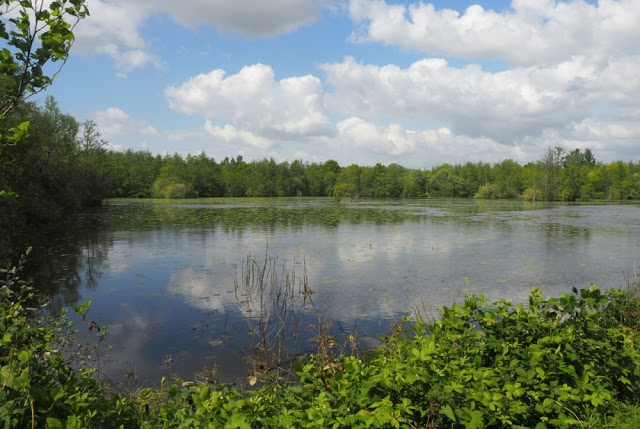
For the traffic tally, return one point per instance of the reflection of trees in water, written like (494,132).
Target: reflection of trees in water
(69,257)
(144,217)
(556,232)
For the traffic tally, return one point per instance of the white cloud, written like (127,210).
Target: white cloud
(393,139)
(255,102)
(114,26)
(427,113)
(572,80)
(117,126)
(250,17)
(231,135)
(504,106)
(421,148)
(532,32)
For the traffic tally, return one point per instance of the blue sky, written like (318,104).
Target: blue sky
(359,81)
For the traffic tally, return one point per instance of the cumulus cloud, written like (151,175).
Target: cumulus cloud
(504,106)
(115,125)
(114,27)
(250,17)
(429,110)
(417,147)
(531,32)
(255,103)
(571,79)
(231,135)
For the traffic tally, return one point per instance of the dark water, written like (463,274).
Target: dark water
(161,275)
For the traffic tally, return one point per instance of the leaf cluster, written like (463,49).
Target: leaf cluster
(35,34)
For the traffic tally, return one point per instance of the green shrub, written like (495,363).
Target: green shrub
(38,387)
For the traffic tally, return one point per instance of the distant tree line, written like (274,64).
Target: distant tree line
(558,176)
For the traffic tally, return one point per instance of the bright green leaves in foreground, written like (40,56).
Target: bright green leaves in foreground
(571,361)
(35,34)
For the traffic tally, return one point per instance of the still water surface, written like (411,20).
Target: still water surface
(161,274)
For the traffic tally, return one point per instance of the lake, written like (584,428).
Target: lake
(162,274)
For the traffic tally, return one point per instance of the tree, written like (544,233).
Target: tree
(573,175)
(40,32)
(171,180)
(94,175)
(36,33)
(352,175)
(551,163)
(331,169)
(507,177)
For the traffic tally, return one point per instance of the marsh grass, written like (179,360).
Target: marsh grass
(275,298)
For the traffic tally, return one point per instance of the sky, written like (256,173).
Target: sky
(359,81)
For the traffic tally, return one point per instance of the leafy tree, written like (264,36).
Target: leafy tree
(315,178)
(443,182)
(94,174)
(352,176)
(508,179)
(172,180)
(298,179)
(34,33)
(531,180)
(341,189)
(471,177)
(331,170)
(202,175)
(573,175)
(551,164)
(394,180)
(374,182)
(413,184)
(234,176)
(38,33)
(133,173)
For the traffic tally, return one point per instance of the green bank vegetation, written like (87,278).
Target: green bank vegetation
(558,176)
(572,361)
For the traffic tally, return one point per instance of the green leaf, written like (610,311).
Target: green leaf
(447,411)
(23,356)
(54,423)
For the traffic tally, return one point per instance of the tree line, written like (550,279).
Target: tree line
(559,175)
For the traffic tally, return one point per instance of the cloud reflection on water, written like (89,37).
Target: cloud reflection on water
(168,278)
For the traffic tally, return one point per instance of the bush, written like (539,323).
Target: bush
(38,387)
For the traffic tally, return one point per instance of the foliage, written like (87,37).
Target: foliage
(38,32)
(38,387)
(564,176)
(54,170)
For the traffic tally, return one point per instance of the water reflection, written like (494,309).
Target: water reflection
(161,275)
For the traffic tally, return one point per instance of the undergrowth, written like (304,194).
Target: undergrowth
(571,361)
